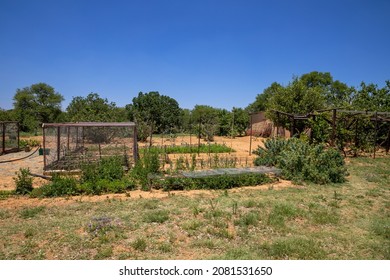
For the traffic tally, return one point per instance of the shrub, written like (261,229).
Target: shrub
(148,164)
(60,186)
(23,181)
(109,168)
(225,181)
(301,161)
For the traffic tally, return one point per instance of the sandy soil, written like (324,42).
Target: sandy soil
(35,163)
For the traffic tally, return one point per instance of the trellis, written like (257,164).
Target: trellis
(349,117)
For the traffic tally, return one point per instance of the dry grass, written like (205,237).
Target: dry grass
(344,221)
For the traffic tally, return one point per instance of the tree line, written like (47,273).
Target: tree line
(157,113)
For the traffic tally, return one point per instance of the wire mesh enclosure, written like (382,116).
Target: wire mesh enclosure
(66,146)
(9,132)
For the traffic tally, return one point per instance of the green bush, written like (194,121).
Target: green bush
(59,186)
(302,161)
(225,181)
(148,164)
(109,168)
(23,181)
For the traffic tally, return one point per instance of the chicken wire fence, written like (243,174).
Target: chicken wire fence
(9,133)
(66,146)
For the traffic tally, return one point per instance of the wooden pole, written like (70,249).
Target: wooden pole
(334,127)
(250,137)
(58,142)
(376,131)
(3,138)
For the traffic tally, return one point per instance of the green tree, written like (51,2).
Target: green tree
(159,113)
(260,104)
(35,105)
(7,115)
(296,98)
(207,119)
(93,108)
(240,121)
(336,93)
(372,98)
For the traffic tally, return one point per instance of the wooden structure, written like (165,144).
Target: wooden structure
(350,120)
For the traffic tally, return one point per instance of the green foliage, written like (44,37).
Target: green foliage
(28,142)
(187,149)
(301,161)
(35,105)
(59,186)
(108,168)
(154,113)
(225,181)
(23,181)
(28,213)
(93,108)
(139,244)
(156,216)
(206,121)
(269,155)
(147,165)
(261,102)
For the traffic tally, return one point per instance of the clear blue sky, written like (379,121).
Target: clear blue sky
(215,52)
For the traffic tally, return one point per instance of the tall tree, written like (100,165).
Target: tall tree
(37,104)
(94,108)
(160,113)
(207,119)
(260,104)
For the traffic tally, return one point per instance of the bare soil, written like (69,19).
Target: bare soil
(35,163)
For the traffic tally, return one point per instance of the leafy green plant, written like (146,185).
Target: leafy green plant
(302,161)
(59,186)
(23,181)
(226,181)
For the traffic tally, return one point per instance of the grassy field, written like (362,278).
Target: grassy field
(343,221)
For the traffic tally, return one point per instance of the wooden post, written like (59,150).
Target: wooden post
(250,137)
(292,126)
(334,127)
(44,147)
(376,131)
(58,142)
(199,138)
(3,138)
(388,142)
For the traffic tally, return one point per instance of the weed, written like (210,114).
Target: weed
(104,253)
(280,213)
(99,226)
(296,248)
(165,247)
(28,213)
(23,181)
(248,219)
(381,227)
(139,244)
(156,216)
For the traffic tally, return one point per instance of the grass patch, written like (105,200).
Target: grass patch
(295,248)
(156,216)
(344,221)
(28,213)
